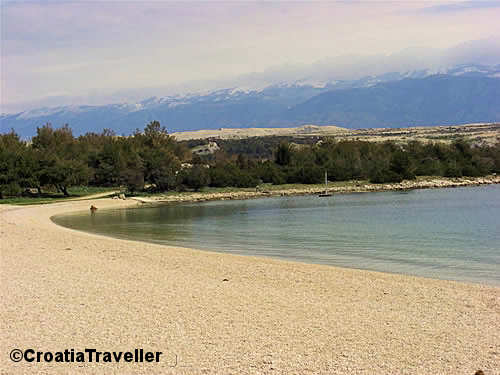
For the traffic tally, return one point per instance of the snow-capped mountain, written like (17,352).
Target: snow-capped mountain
(464,93)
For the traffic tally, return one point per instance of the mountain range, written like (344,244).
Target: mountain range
(462,94)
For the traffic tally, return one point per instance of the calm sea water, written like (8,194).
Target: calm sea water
(444,233)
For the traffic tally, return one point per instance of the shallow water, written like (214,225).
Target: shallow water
(450,234)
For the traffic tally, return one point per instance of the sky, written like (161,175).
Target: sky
(93,52)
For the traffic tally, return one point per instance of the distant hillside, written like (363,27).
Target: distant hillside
(466,96)
(478,134)
(439,99)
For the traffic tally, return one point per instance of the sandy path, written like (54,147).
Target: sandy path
(65,289)
(95,196)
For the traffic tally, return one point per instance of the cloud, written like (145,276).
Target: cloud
(461,6)
(484,51)
(349,67)
(102,47)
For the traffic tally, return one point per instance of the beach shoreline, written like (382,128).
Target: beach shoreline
(352,187)
(222,313)
(192,201)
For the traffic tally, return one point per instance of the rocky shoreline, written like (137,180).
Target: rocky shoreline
(357,187)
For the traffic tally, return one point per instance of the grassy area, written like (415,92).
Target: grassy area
(52,197)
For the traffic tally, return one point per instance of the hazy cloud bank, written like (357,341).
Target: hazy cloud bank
(93,52)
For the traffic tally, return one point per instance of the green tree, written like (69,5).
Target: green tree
(400,164)
(196,177)
(283,154)
(132,175)
(11,153)
(60,163)
(162,169)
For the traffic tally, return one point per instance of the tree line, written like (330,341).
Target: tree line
(55,160)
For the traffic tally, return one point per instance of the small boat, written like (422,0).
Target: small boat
(326,193)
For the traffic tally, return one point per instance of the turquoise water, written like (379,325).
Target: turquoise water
(444,233)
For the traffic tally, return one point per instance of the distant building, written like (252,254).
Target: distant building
(207,149)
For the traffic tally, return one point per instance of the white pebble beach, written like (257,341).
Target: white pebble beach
(212,313)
